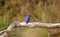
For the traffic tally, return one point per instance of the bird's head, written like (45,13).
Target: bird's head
(29,15)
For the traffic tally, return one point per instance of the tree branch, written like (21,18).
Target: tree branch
(31,24)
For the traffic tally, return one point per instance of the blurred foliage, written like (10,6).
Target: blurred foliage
(28,32)
(41,10)
(47,11)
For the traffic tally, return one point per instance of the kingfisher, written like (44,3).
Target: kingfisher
(28,17)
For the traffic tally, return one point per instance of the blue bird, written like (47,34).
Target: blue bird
(28,18)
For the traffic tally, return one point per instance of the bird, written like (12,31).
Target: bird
(28,17)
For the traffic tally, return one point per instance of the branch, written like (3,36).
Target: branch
(38,24)
(32,25)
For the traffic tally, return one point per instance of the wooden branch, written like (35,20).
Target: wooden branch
(37,24)
(32,25)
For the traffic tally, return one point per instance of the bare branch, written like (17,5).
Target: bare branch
(31,24)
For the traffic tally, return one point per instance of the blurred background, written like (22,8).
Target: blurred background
(46,11)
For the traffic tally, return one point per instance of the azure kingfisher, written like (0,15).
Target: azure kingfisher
(28,18)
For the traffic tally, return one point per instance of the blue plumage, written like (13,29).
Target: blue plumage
(28,19)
